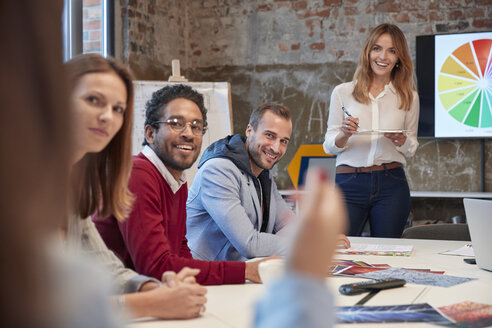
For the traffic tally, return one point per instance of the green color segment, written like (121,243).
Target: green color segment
(474,114)
(461,109)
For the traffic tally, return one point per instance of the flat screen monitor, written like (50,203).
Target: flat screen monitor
(454,79)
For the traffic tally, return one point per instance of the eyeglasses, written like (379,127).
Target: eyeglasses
(179,125)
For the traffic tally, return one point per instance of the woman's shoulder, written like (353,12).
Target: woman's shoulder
(345,87)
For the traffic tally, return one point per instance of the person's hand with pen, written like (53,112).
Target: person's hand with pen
(350,125)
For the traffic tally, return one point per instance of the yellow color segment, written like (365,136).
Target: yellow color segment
(453,68)
(450,99)
(295,164)
(445,83)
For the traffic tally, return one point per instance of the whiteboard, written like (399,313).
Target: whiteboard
(217,101)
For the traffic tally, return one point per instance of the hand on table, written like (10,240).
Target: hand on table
(343,241)
(186,275)
(252,273)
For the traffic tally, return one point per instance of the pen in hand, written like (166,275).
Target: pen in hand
(348,114)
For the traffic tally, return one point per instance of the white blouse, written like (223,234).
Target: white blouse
(382,112)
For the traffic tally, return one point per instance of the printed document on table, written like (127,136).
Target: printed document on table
(466,250)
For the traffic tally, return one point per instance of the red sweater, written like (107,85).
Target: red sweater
(152,240)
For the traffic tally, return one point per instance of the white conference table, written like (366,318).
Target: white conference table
(233,305)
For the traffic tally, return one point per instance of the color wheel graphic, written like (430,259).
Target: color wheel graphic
(465,84)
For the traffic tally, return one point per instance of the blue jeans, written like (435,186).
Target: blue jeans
(382,197)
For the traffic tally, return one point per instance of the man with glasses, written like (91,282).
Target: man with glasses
(152,239)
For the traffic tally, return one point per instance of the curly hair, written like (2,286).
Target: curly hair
(155,106)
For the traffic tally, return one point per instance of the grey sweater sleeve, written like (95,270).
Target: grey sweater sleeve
(125,280)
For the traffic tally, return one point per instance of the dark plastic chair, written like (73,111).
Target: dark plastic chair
(443,231)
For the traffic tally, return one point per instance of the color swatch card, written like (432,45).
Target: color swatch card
(417,277)
(391,314)
(374,249)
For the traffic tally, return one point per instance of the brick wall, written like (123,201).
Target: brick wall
(92,26)
(295,52)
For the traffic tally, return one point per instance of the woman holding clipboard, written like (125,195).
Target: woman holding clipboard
(372,127)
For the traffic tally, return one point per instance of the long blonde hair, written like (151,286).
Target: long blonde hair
(100,180)
(401,76)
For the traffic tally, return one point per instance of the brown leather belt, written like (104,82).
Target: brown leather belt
(349,169)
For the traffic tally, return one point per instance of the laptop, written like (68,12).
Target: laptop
(479,219)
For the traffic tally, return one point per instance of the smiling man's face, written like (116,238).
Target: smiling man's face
(177,150)
(268,143)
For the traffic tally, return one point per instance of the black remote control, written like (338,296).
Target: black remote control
(367,286)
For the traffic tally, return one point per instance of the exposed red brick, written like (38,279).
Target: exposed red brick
(142,28)
(92,25)
(350,11)
(435,16)
(311,24)
(283,5)
(350,21)
(87,3)
(455,14)
(283,47)
(401,18)
(299,5)
(483,2)
(414,5)
(95,35)
(317,46)
(92,46)
(474,13)
(197,53)
(323,13)
(332,2)
(362,30)
(388,7)
(193,45)
(418,16)
(264,7)
(482,23)
(352,1)
(434,5)
(340,54)
(295,46)
(316,13)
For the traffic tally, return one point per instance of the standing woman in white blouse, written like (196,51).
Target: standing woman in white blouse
(382,97)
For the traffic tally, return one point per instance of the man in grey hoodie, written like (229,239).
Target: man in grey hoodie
(234,210)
